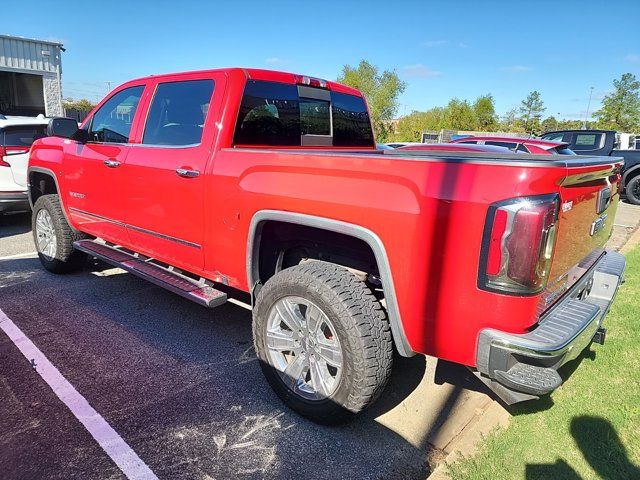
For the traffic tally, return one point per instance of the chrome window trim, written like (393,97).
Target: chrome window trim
(362,233)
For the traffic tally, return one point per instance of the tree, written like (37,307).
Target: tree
(410,127)
(531,111)
(83,105)
(510,122)
(485,112)
(459,115)
(621,108)
(381,90)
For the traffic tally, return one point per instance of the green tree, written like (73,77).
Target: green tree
(485,112)
(381,90)
(510,122)
(410,127)
(81,105)
(621,108)
(459,115)
(531,111)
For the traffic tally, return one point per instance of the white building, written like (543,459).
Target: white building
(30,76)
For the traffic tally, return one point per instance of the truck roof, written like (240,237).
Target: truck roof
(257,74)
(577,130)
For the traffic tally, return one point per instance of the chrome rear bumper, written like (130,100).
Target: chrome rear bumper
(527,363)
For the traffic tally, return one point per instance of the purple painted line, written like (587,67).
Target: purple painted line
(110,441)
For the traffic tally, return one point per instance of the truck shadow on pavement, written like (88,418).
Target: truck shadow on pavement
(183,386)
(601,447)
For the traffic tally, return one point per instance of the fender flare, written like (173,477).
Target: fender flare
(628,173)
(370,238)
(52,174)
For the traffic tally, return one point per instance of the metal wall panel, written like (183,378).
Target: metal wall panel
(28,55)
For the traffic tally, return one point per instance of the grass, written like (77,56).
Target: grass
(590,428)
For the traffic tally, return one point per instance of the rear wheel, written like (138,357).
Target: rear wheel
(54,237)
(632,189)
(323,341)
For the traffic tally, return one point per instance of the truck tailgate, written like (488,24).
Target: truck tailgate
(589,196)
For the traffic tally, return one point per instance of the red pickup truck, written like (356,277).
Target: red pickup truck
(211,182)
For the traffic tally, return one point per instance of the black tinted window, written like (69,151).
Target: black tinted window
(269,115)
(508,145)
(112,122)
(274,114)
(22,136)
(177,113)
(351,124)
(315,118)
(586,141)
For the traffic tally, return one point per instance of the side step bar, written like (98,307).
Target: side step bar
(197,291)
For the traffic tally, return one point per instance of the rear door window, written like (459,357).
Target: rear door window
(112,122)
(22,135)
(177,113)
(280,114)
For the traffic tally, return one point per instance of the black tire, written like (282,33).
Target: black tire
(66,258)
(361,326)
(632,189)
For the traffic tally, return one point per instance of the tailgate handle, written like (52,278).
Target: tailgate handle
(604,199)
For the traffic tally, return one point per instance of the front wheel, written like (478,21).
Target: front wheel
(632,189)
(323,341)
(54,237)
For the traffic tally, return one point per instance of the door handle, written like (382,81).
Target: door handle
(112,163)
(185,172)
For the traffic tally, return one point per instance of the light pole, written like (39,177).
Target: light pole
(584,124)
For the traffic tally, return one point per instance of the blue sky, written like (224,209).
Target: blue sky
(441,49)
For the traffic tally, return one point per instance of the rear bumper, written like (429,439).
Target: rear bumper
(524,366)
(14,202)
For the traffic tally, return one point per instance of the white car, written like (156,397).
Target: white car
(16,136)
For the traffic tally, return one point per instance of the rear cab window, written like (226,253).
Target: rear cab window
(280,114)
(21,135)
(586,141)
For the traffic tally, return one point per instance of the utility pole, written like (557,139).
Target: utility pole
(584,124)
(108,84)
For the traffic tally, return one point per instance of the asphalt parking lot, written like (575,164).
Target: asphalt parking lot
(182,387)
(178,382)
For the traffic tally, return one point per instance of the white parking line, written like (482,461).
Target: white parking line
(20,255)
(110,441)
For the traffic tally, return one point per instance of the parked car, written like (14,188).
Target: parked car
(16,136)
(401,144)
(456,147)
(606,142)
(524,145)
(270,183)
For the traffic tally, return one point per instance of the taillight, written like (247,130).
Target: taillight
(3,152)
(518,245)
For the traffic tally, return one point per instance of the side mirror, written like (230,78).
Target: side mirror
(66,128)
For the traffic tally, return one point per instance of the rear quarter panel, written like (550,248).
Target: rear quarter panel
(429,214)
